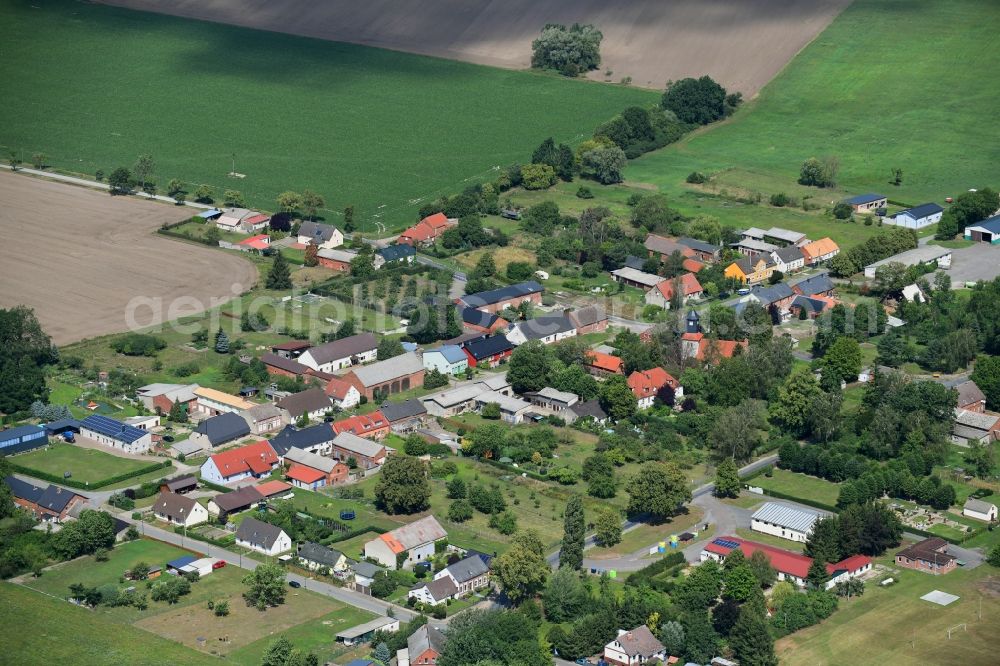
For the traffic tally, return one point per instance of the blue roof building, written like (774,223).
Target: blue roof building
(394,253)
(987,231)
(446,359)
(22,438)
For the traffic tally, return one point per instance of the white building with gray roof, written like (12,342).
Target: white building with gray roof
(783,520)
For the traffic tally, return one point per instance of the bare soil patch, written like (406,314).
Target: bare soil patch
(741,43)
(79,256)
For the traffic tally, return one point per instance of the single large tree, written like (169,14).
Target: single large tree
(529,367)
(751,640)
(144,167)
(25,351)
(607,527)
(522,570)
(402,486)
(565,596)
(695,101)
(265,586)
(280,276)
(574,533)
(727,479)
(657,490)
(617,399)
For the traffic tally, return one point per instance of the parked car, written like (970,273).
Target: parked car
(168,438)
(219,564)
(294,583)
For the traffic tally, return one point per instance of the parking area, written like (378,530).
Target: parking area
(976,262)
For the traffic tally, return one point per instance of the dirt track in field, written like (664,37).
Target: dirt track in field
(743,44)
(79,256)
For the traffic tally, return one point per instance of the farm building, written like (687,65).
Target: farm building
(370,426)
(553,399)
(241,220)
(512,409)
(867,203)
(22,438)
(446,359)
(179,510)
(781,520)
(434,592)
(480,322)
(218,430)
(789,259)
(663,292)
(262,537)
(403,416)
(315,439)
(917,217)
(324,236)
(637,646)
(363,632)
(987,231)
(600,364)
(210,402)
(312,403)
(315,556)
(547,329)
(263,419)
(775,236)
(778,295)
(366,453)
(817,285)
(793,567)
(49,503)
(338,354)
(970,397)
(702,250)
(291,349)
(336,260)
(588,319)
(636,278)
(979,427)
(488,352)
(661,247)
(426,231)
(496,300)
(405,546)
(180,484)
(160,398)
(814,306)
(388,377)
(647,385)
(924,254)
(115,434)
(929,556)
(253,460)
(330,472)
(397,253)
(272,488)
(980,510)
(241,499)
(282,366)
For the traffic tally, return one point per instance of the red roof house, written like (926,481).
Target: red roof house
(259,242)
(425,231)
(257,460)
(369,426)
(646,385)
(661,294)
(790,566)
(601,364)
(700,348)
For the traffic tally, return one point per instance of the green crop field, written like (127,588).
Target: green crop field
(92,87)
(86,465)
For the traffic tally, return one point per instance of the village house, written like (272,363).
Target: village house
(867,203)
(181,484)
(423,648)
(218,430)
(241,221)
(115,434)
(370,426)
(813,306)
(982,427)
(312,403)
(751,270)
(477,321)
(434,592)
(661,247)
(426,231)
(790,566)
(706,252)
(22,438)
(179,510)
(636,278)
(253,460)
(403,254)
(314,557)
(547,329)
(343,394)
(364,574)
(751,247)
(512,409)
(819,251)
(452,401)
(497,300)
(917,217)
(315,439)
(987,231)
(970,397)
(255,244)
(816,285)
(263,419)
(241,499)
(405,416)
(339,354)
(553,400)
(331,472)
(588,319)
(160,398)
(781,520)
(324,236)
(647,385)
(663,292)
(778,296)
(51,503)
(600,364)
(210,402)
(789,259)
(488,352)
(980,510)
(468,575)
(291,349)
(262,537)
(397,374)
(446,359)
(405,546)
(638,646)
(929,556)
(366,453)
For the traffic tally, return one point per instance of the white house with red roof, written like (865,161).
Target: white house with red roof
(646,385)
(661,294)
(405,546)
(426,231)
(259,242)
(241,220)
(793,567)
(343,394)
(253,460)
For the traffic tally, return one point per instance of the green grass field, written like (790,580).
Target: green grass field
(86,465)
(92,87)
(799,485)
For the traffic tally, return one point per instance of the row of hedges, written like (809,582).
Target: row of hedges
(214,486)
(344,536)
(73,483)
(925,533)
(183,235)
(515,470)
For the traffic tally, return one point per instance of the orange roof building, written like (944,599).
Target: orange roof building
(305,477)
(252,460)
(425,231)
(700,348)
(822,250)
(661,294)
(369,426)
(693,265)
(599,363)
(272,488)
(646,385)
(406,545)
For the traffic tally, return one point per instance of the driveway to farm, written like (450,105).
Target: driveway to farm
(80,257)
(971,264)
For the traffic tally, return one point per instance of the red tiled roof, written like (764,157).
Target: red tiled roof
(645,383)
(304,474)
(294,345)
(689,286)
(259,242)
(692,265)
(338,388)
(258,457)
(257,219)
(851,564)
(361,424)
(783,561)
(605,362)
(437,221)
(419,232)
(269,488)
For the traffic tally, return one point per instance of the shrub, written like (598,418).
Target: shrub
(780,200)
(138,344)
(697,178)
(538,176)
(584,193)
(843,211)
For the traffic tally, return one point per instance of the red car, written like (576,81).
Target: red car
(219,564)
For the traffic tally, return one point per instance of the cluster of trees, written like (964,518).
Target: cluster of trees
(638,130)
(495,637)
(820,173)
(535,365)
(25,352)
(495,440)
(570,51)
(94,530)
(403,486)
(307,201)
(699,101)
(470,234)
(876,248)
(46,413)
(967,209)
(868,528)
(281,652)
(430,322)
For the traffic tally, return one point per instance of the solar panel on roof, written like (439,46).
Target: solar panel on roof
(112,428)
(726,543)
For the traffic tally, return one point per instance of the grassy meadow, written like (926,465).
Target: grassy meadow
(86,465)
(92,87)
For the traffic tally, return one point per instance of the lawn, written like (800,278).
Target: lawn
(86,465)
(310,112)
(891,625)
(769,539)
(799,485)
(315,636)
(646,535)
(61,633)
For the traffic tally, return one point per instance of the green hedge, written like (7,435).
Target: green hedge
(953,540)
(214,486)
(517,471)
(201,537)
(73,483)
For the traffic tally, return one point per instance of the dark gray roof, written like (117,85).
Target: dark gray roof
(314,552)
(181,482)
(587,316)
(344,348)
(808,304)
(238,500)
(366,569)
(817,284)
(991,224)
(640,641)
(424,638)
(172,504)
(481,348)
(789,254)
(258,532)
(699,245)
(922,211)
(634,262)
(502,294)
(467,569)
(56,427)
(55,498)
(772,294)
(223,428)
(541,327)
(864,198)
(969,392)
(286,364)
(590,408)
(397,252)
(116,430)
(397,411)
(23,489)
(305,402)
(439,589)
(290,436)
(478,318)
(320,233)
